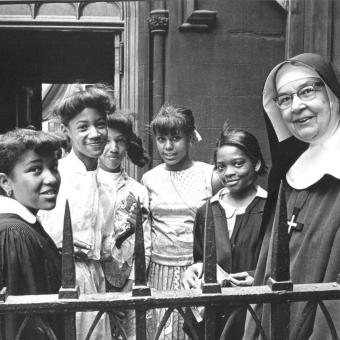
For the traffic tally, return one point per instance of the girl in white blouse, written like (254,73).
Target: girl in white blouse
(83,120)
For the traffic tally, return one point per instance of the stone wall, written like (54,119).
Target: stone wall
(219,73)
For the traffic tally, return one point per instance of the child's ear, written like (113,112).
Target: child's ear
(64,129)
(257,166)
(5,184)
(192,139)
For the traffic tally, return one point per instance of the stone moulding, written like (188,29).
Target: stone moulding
(199,20)
(194,19)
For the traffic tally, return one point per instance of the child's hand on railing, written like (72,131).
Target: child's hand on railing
(130,225)
(80,249)
(191,277)
(241,279)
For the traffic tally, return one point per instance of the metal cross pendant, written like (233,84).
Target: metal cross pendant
(292,225)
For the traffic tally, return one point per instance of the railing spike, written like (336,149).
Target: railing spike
(280,272)
(68,289)
(210,284)
(140,284)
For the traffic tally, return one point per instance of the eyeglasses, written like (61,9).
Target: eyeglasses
(306,93)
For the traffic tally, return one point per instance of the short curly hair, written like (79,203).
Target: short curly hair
(96,96)
(14,143)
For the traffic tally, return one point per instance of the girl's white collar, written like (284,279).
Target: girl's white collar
(78,164)
(11,206)
(260,192)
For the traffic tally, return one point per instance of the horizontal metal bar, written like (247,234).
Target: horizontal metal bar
(12,2)
(109,301)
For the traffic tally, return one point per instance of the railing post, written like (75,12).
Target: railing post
(280,275)
(140,285)
(210,284)
(69,289)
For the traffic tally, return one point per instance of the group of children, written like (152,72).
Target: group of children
(301,98)
(102,199)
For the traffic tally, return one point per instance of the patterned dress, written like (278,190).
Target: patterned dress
(174,198)
(118,249)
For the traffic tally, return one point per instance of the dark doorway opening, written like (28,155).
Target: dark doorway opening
(30,58)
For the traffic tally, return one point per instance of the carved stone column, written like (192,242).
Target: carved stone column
(158,25)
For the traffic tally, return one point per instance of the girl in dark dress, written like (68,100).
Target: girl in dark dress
(29,260)
(237,215)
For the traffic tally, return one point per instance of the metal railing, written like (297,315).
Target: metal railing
(279,292)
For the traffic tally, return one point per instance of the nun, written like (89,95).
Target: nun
(301,102)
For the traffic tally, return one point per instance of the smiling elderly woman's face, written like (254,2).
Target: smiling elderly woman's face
(303,102)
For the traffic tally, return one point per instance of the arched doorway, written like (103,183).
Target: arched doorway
(60,43)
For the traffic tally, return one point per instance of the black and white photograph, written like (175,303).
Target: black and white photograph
(170,170)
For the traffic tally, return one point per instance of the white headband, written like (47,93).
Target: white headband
(290,72)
